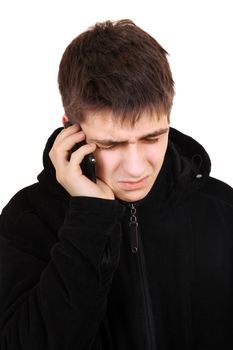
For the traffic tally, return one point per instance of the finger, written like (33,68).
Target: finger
(77,156)
(70,141)
(66,132)
(65,143)
(62,147)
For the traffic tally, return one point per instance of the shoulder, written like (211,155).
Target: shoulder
(213,198)
(33,209)
(20,214)
(30,222)
(19,204)
(218,190)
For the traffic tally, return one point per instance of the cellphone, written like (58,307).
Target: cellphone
(88,164)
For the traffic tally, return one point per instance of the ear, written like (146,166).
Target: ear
(64,119)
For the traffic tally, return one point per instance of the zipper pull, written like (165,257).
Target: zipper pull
(133,229)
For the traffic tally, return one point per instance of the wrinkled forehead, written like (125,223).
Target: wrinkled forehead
(105,125)
(127,119)
(123,116)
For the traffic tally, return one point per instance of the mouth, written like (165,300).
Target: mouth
(133,185)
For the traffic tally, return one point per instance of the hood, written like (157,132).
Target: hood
(187,160)
(190,159)
(47,177)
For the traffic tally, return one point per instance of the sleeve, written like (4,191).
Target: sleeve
(59,304)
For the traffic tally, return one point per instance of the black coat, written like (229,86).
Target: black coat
(75,274)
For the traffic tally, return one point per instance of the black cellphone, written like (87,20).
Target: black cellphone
(88,164)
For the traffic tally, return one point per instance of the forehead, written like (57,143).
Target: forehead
(105,126)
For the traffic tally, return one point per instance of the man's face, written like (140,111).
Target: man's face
(128,158)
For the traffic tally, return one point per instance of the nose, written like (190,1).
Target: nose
(133,162)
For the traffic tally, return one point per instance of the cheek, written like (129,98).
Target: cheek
(156,154)
(105,163)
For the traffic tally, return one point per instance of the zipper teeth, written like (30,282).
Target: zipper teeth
(134,242)
(133,226)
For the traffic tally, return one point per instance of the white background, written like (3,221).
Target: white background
(33,35)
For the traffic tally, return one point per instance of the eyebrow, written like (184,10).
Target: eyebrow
(108,142)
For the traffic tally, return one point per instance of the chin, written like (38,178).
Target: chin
(132,196)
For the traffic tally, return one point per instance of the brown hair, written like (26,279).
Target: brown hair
(115,66)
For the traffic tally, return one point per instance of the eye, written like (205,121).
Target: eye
(106,147)
(152,140)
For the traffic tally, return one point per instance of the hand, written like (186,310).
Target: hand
(68,171)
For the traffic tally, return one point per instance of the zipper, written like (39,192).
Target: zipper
(135,242)
(133,229)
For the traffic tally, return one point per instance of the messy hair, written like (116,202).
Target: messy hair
(117,67)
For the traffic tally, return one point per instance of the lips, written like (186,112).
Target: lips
(133,185)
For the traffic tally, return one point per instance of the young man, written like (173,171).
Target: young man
(141,258)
